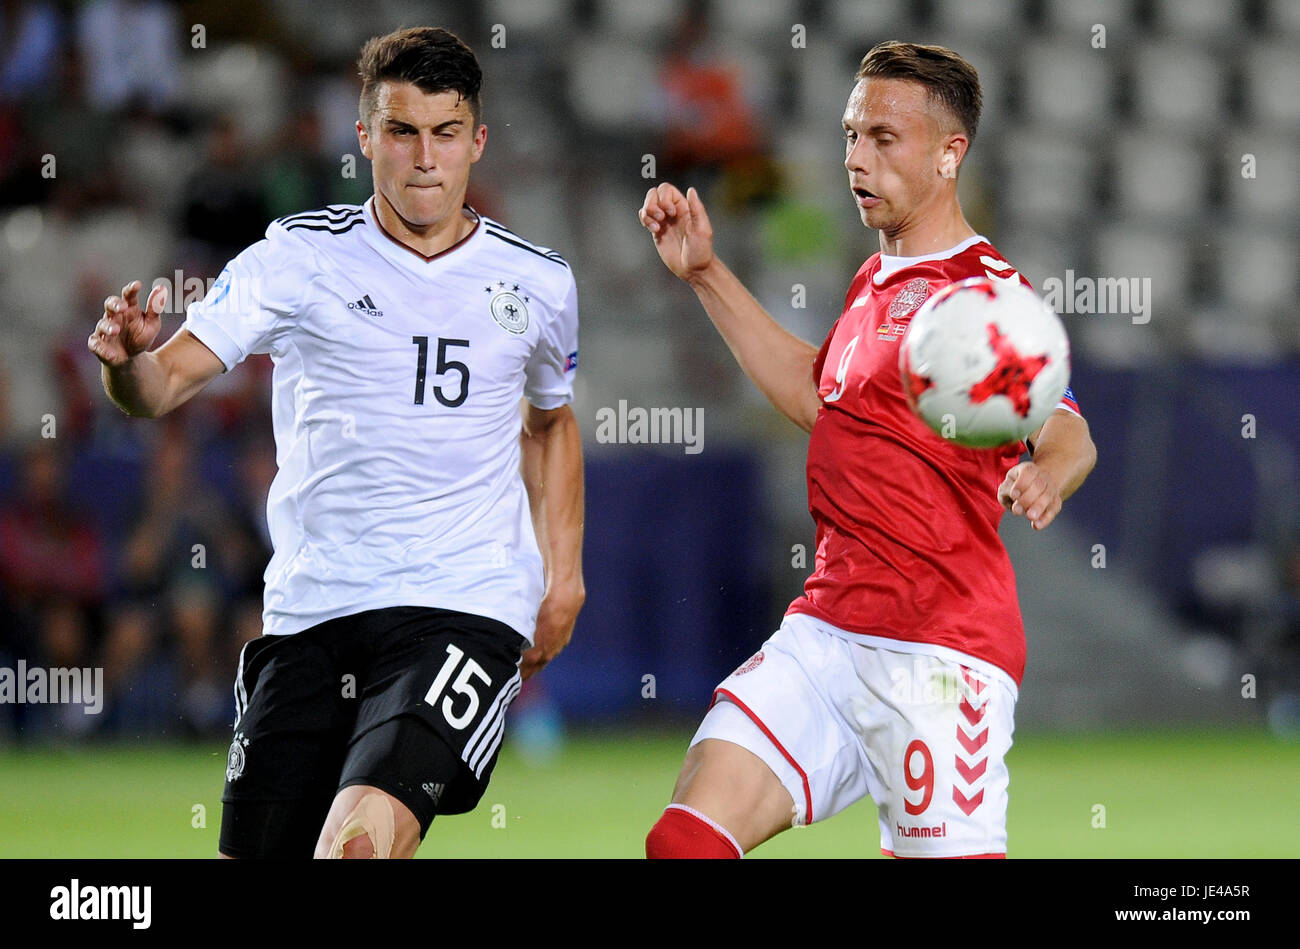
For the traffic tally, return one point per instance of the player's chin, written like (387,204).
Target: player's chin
(877,218)
(421,213)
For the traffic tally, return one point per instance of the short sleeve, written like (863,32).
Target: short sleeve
(249,306)
(549,374)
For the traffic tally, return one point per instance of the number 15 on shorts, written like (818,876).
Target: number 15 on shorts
(461,686)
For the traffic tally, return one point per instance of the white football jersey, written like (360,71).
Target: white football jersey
(396,410)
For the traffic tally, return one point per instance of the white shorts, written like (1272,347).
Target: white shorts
(838,716)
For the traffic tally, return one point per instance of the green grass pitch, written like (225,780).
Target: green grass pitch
(1165,794)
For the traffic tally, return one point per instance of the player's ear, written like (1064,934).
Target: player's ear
(954,150)
(480,140)
(363,139)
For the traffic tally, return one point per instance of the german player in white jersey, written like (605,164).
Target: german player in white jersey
(427,539)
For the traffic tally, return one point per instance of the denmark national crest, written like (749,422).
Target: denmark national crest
(909,299)
(750,664)
(509,311)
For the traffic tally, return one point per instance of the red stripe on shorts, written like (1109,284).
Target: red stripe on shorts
(807,791)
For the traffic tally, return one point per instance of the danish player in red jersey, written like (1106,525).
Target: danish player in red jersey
(896,673)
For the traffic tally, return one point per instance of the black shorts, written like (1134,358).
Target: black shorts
(410,700)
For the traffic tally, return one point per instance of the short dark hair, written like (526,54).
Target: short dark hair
(951,80)
(434,59)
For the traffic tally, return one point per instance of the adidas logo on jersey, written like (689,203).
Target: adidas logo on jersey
(366,306)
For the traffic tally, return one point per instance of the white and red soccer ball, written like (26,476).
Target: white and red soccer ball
(984,362)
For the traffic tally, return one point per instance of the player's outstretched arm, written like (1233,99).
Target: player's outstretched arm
(140,382)
(552,468)
(1063,456)
(778,362)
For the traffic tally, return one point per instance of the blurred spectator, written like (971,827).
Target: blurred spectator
(182,528)
(60,124)
(224,210)
(30,36)
(186,558)
(710,122)
(52,566)
(48,549)
(299,177)
(131,49)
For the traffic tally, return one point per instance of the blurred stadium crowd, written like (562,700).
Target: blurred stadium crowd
(144,139)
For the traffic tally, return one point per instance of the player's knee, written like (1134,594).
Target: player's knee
(684,834)
(358,848)
(366,832)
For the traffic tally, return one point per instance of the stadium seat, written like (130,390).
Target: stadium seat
(1272,78)
(241,79)
(1218,334)
(1159,175)
(824,83)
(808,151)
(981,18)
(532,18)
(1272,195)
(1077,17)
(1133,248)
(1256,271)
(636,18)
(529,205)
(860,18)
(1282,18)
(36,267)
(764,22)
(1198,19)
(612,84)
(331,30)
(1176,84)
(1044,174)
(1040,252)
(1067,84)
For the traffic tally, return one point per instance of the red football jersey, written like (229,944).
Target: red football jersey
(907,522)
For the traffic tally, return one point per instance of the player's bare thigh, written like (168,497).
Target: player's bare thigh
(366,822)
(734,787)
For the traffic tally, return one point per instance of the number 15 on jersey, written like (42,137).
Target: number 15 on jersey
(443,365)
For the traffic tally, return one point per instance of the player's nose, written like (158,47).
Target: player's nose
(855,160)
(426,156)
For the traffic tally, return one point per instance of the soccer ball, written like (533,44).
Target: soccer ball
(984,362)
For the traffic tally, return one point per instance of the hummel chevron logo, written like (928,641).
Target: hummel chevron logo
(974,683)
(972,716)
(973,705)
(967,804)
(366,306)
(972,744)
(971,775)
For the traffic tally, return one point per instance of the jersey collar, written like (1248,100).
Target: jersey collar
(890,265)
(409,257)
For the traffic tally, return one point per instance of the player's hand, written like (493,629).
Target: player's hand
(555,619)
(1028,490)
(680,228)
(125,330)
